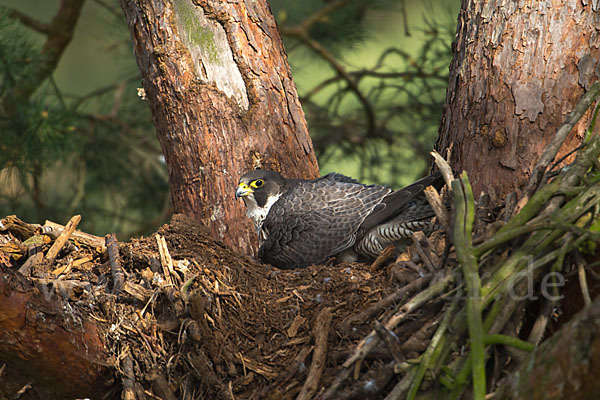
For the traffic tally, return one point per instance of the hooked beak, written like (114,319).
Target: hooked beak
(243,190)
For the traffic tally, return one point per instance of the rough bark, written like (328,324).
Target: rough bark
(219,87)
(518,69)
(60,350)
(566,366)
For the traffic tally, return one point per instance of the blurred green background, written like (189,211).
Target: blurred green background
(371,76)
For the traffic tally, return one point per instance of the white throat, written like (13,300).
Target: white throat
(258,214)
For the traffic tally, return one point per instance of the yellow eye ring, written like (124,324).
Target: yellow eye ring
(257,183)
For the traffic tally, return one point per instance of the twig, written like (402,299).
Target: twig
(293,367)
(62,239)
(127,379)
(54,230)
(427,360)
(371,340)
(391,341)
(151,395)
(444,168)
(463,225)
(115,264)
(165,260)
(360,74)
(103,90)
(510,205)
(26,388)
(387,301)
(260,368)
(19,228)
(383,257)
(508,341)
(554,146)
(587,299)
(320,332)
(430,259)
(504,236)
(401,387)
(435,201)
(36,256)
(541,322)
(333,388)
(28,21)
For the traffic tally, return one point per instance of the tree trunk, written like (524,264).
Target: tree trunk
(219,87)
(563,367)
(518,69)
(58,347)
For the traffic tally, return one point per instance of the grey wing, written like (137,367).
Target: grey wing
(403,202)
(303,239)
(317,220)
(339,178)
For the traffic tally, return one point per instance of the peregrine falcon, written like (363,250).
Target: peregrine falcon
(302,222)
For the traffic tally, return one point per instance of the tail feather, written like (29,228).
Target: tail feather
(394,203)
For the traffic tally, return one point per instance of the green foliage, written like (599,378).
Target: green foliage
(338,30)
(381,116)
(16,53)
(94,155)
(32,130)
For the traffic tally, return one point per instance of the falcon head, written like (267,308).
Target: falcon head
(260,189)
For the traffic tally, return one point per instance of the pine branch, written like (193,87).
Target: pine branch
(59,34)
(27,20)
(302,35)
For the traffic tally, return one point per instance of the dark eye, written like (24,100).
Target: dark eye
(258,183)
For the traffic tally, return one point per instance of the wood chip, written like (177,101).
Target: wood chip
(165,260)
(260,368)
(385,255)
(296,324)
(139,292)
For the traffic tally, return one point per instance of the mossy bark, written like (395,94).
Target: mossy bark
(220,90)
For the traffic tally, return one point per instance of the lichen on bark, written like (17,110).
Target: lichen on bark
(206,41)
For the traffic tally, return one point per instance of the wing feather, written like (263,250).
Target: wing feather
(392,204)
(315,220)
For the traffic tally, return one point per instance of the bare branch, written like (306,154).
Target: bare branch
(321,14)
(301,33)
(27,20)
(59,33)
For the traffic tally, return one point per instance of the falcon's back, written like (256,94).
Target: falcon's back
(314,220)
(303,222)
